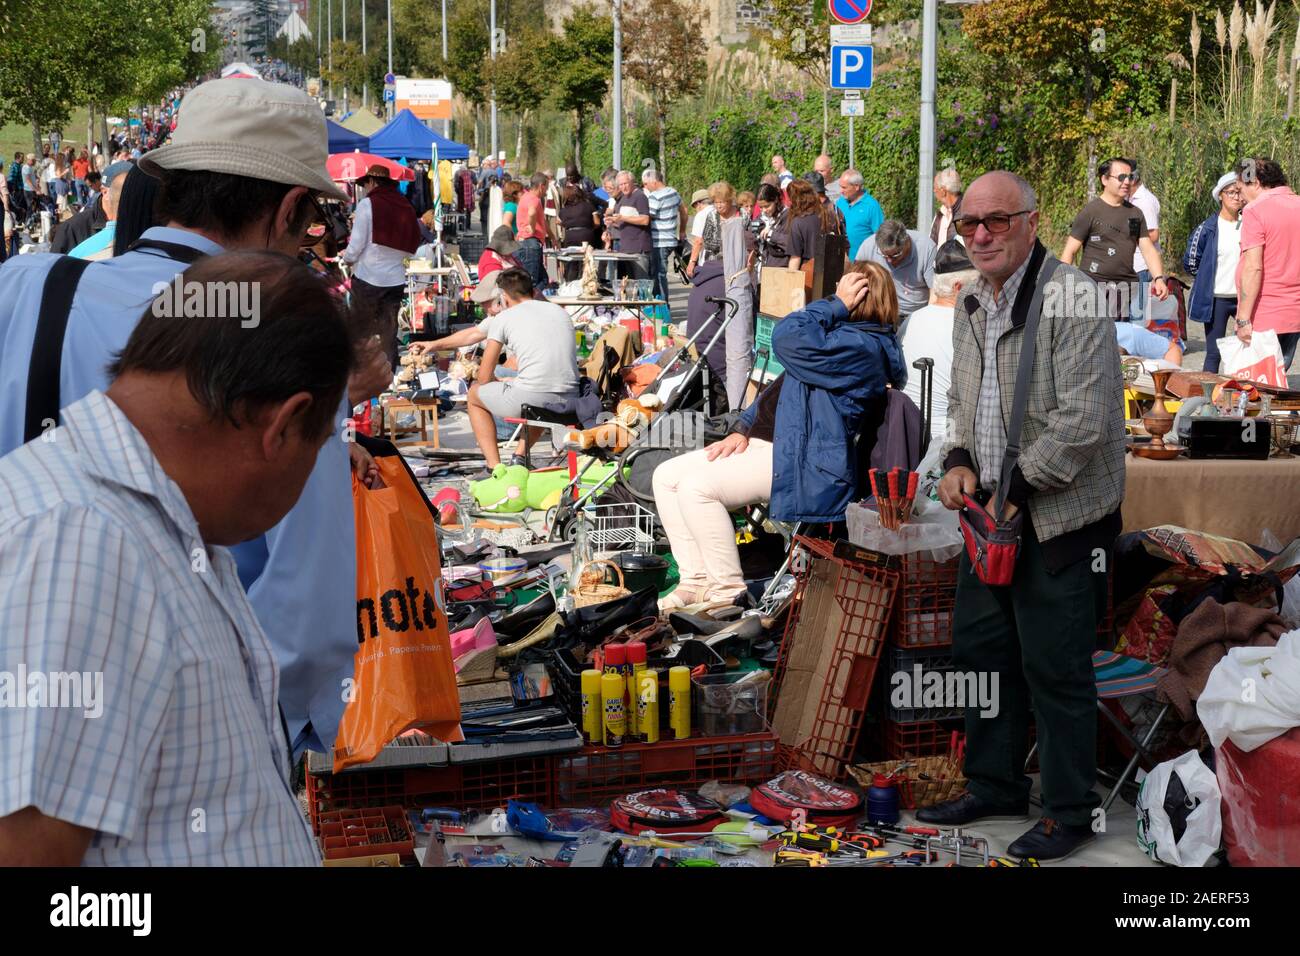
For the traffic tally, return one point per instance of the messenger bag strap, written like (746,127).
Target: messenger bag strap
(46,363)
(1025,371)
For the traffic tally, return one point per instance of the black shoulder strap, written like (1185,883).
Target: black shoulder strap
(46,365)
(1028,346)
(172,250)
(46,362)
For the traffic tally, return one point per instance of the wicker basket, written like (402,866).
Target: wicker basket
(922,781)
(587,594)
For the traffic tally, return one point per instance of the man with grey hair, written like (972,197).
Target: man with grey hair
(1059,482)
(909,257)
(862,214)
(927,333)
(631,217)
(823,164)
(947,193)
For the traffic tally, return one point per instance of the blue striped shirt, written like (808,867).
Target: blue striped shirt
(664,217)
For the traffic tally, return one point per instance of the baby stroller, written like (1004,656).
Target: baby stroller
(675,385)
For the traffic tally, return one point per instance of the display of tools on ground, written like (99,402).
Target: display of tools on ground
(895,493)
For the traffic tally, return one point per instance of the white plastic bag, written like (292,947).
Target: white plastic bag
(1260,361)
(931,531)
(1178,812)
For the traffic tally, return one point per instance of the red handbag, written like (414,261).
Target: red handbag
(992,546)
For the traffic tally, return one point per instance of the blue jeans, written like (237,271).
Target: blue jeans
(1137,308)
(530,258)
(659,269)
(1288,341)
(1225,308)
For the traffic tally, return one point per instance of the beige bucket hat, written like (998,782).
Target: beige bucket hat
(247,127)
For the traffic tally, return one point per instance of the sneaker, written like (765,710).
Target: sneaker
(967,808)
(1051,840)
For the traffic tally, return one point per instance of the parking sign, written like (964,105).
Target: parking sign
(851,67)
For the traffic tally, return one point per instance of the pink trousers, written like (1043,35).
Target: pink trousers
(693,496)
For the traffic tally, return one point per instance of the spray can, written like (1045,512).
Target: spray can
(647,706)
(613,712)
(592,726)
(679,702)
(636,658)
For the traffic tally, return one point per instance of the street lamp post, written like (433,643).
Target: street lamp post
(365,87)
(345,40)
(618,86)
(929,58)
(492,27)
(388,109)
(446,124)
(330,43)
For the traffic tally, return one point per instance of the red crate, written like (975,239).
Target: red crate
(472,786)
(345,834)
(927,593)
(595,775)
(863,595)
(924,738)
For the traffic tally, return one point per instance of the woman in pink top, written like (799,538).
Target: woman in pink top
(499,254)
(1268,275)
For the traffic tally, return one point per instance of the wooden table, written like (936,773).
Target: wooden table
(1235,499)
(390,409)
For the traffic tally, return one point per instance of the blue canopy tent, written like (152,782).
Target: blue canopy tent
(407,137)
(343,140)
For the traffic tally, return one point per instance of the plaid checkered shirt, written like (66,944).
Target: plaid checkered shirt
(1072,442)
(103,571)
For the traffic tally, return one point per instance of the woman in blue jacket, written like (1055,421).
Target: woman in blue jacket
(1213,251)
(793,447)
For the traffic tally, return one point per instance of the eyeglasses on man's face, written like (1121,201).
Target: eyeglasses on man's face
(996,223)
(1124,177)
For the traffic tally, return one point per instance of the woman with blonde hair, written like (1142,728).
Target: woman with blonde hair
(795,446)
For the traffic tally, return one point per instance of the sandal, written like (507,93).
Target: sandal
(681,596)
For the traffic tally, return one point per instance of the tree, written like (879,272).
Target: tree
(798,34)
(578,63)
(1077,65)
(661,39)
(520,86)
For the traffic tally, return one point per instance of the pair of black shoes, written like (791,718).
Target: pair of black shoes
(1048,839)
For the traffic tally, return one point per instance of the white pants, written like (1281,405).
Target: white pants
(693,496)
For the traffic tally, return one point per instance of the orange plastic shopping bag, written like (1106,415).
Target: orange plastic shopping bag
(404,677)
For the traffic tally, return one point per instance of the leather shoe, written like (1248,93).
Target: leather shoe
(967,808)
(1051,840)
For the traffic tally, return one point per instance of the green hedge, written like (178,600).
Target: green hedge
(974,133)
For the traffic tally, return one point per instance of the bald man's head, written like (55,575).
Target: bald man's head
(114,196)
(999,196)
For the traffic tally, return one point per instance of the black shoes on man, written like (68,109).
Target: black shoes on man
(1048,840)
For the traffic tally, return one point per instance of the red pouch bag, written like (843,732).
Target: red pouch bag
(992,547)
(666,811)
(824,803)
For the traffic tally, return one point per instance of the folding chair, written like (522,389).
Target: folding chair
(1119,676)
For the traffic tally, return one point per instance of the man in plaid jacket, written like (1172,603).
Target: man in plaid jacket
(1038,633)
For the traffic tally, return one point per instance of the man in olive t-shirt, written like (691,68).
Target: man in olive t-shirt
(1110,230)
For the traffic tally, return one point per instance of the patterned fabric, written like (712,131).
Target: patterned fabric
(103,572)
(1120,676)
(1072,444)
(664,218)
(990,429)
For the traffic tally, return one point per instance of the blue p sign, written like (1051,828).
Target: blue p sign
(851,67)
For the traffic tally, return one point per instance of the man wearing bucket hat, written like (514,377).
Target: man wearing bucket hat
(243,170)
(499,254)
(1213,251)
(385,231)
